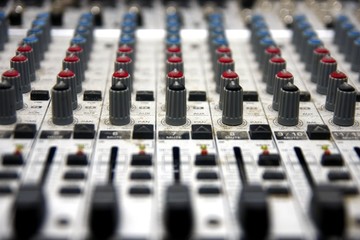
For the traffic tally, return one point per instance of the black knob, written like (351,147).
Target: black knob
(345,103)
(232,114)
(289,105)
(7,103)
(119,108)
(176,104)
(62,109)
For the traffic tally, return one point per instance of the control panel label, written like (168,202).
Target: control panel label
(114,135)
(290,135)
(346,135)
(55,134)
(174,135)
(5,134)
(227,135)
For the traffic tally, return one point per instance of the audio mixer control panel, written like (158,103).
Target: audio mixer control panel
(181,120)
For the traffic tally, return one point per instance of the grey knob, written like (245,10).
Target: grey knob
(344,29)
(327,65)
(335,80)
(83,43)
(312,44)
(62,111)
(33,42)
(176,104)
(4,33)
(13,77)
(318,54)
(345,103)
(355,56)
(125,50)
(225,79)
(351,36)
(122,76)
(270,52)
(337,26)
(175,75)
(260,49)
(298,31)
(119,108)
(39,33)
(223,64)
(232,113)
(174,62)
(282,78)
(124,62)
(289,105)
(73,63)
(27,51)
(78,51)
(276,64)
(7,103)
(22,65)
(68,77)
(304,38)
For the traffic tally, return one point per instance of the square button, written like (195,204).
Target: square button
(144,96)
(197,96)
(84,131)
(92,95)
(143,131)
(318,132)
(201,131)
(24,130)
(39,95)
(260,131)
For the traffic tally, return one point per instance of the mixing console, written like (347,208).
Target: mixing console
(179,120)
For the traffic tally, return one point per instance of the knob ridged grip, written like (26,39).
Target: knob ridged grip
(69,78)
(282,78)
(21,64)
(13,77)
(345,103)
(62,111)
(223,64)
(73,63)
(318,54)
(119,108)
(276,64)
(27,51)
(289,105)
(225,79)
(327,65)
(7,103)
(176,104)
(335,80)
(232,114)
